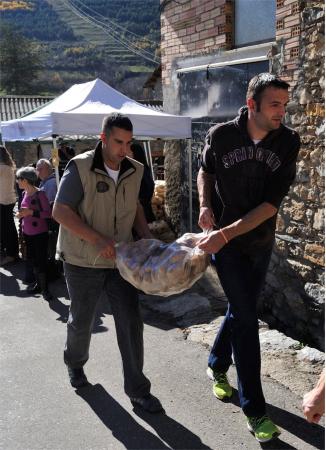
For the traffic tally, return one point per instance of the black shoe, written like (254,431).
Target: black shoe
(33,288)
(77,377)
(148,403)
(48,297)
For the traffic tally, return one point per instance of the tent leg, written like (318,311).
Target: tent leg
(150,158)
(56,166)
(190,182)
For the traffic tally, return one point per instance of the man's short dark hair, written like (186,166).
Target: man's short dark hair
(116,120)
(260,82)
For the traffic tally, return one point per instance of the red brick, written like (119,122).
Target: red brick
(208,33)
(205,16)
(188,14)
(175,18)
(216,12)
(195,3)
(220,39)
(210,5)
(191,30)
(200,10)
(219,20)
(209,42)
(200,44)
(292,40)
(186,39)
(200,27)
(195,37)
(209,24)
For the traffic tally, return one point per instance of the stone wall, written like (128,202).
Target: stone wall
(294,298)
(25,153)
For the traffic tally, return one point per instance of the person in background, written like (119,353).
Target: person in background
(96,206)
(247,168)
(8,230)
(48,182)
(147,183)
(34,212)
(313,404)
(65,154)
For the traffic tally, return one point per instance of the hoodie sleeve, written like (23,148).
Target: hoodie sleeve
(207,157)
(281,180)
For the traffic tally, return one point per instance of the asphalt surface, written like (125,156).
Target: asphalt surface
(40,410)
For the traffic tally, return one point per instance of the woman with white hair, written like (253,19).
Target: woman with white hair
(34,212)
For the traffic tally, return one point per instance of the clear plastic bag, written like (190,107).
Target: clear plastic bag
(163,269)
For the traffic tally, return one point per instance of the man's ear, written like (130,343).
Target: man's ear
(252,105)
(103,137)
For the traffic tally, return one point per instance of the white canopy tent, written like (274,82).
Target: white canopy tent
(81,109)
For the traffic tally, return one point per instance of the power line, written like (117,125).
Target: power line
(132,47)
(114,24)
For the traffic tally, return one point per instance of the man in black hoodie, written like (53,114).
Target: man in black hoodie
(248,165)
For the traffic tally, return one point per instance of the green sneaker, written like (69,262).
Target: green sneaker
(221,387)
(263,428)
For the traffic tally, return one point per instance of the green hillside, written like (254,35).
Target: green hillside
(84,39)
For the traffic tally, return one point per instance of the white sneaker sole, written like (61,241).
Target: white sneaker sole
(210,373)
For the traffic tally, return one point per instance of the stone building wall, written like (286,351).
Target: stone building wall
(294,297)
(295,284)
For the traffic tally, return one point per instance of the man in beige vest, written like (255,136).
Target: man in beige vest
(96,206)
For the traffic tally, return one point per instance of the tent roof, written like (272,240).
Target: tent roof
(81,109)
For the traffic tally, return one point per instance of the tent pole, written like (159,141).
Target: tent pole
(150,158)
(190,182)
(55,159)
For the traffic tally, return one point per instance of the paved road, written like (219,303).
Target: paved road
(40,410)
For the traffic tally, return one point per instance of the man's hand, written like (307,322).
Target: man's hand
(313,404)
(106,247)
(212,243)
(206,219)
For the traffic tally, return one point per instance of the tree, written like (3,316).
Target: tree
(20,62)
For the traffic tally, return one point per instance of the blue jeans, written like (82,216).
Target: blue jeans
(85,286)
(242,278)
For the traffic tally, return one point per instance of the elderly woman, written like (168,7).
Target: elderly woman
(8,231)
(34,212)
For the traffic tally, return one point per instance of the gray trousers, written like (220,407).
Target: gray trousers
(85,286)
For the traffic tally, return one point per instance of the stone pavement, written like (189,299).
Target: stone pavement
(39,409)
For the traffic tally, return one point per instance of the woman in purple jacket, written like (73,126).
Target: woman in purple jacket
(34,212)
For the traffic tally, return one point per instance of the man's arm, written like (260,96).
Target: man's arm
(140,223)
(205,186)
(69,219)
(217,239)
(314,401)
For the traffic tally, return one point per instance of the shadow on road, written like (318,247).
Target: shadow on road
(172,432)
(298,426)
(129,432)
(123,426)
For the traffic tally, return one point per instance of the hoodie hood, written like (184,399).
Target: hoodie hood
(241,123)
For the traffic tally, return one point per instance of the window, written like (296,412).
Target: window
(220,92)
(254,21)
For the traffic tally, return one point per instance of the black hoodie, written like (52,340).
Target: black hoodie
(248,175)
